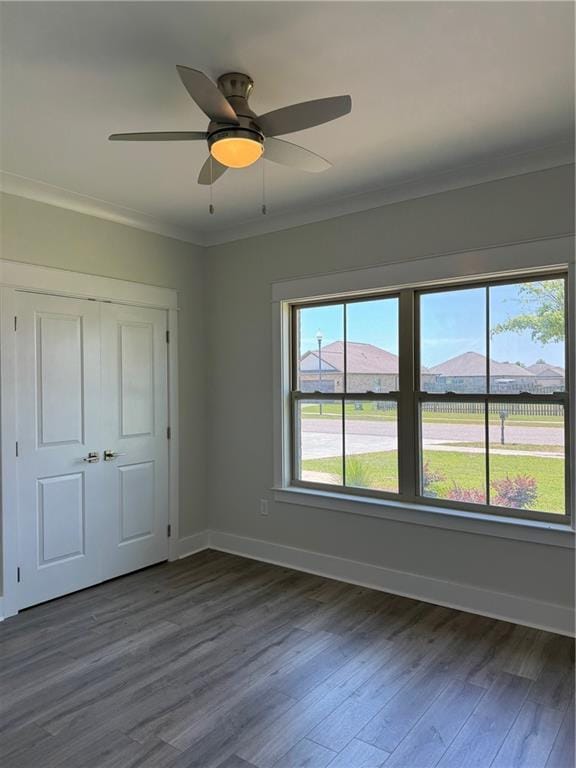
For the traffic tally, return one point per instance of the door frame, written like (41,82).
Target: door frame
(18,276)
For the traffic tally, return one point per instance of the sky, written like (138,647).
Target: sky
(452,322)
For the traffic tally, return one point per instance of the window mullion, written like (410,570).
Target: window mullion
(344,389)
(486,406)
(344,437)
(487,450)
(408,449)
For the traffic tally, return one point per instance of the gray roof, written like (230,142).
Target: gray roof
(360,358)
(370,359)
(546,369)
(474,364)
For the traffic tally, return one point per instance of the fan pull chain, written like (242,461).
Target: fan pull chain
(211,206)
(264,209)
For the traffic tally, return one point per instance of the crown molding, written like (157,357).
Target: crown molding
(41,192)
(507,166)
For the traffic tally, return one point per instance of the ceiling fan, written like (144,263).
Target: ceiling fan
(236,136)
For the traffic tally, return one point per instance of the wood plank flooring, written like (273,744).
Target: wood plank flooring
(221,662)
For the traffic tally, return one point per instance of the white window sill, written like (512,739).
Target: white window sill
(535,531)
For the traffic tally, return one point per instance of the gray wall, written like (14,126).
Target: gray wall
(239,369)
(53,237)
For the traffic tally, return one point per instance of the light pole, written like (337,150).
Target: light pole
(319,337)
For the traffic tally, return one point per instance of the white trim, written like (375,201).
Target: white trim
(42,192)
(475,264)
(16,276)
(190,545)
(519,529)
(62,282)
(504,167)
(10,538)
(280,399)
(464,597)
(437,268)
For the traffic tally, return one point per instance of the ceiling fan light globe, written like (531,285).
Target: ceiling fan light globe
(236,152)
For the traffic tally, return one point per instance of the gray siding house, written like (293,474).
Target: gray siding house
(370,368)
(467,373)
(548,377)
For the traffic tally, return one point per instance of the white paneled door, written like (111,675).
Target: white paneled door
(92,445)
(134,391)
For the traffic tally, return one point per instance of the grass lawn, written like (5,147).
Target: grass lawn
(379,471)
(369,411)
(330,411)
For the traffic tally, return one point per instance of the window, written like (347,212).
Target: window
(349,348)
(453,396)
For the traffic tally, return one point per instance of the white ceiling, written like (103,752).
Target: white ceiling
(452,91)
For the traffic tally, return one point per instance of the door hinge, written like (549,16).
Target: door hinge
(167,337)
(16,448)
(18,574)
(168,433)
(169,530)
(15,322)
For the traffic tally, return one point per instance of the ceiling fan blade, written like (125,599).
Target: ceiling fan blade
(211,171)
(205,93)
(160,136)
(305,115)
(286,153)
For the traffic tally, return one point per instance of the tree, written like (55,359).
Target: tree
(543,305)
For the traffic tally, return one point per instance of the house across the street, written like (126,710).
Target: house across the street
(371,368)
(548,377)
(467,373)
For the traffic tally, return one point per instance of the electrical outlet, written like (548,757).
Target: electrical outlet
(264,507)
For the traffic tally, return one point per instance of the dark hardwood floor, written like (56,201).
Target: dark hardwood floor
(221,662)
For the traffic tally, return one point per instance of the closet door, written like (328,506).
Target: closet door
(135,420)
(58,426)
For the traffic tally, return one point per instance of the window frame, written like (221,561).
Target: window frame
(296,395)
(409,397)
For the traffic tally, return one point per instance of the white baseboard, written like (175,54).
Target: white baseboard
(498,605)
(189,545)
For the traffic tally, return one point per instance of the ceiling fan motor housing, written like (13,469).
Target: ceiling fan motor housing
(218,131)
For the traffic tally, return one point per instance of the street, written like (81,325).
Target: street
(322,437)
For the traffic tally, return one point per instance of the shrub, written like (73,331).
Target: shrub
(429,476)
(357,473)
(518,492)
(471,495)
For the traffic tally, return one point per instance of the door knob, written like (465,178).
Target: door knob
(111,455)
(92,457)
